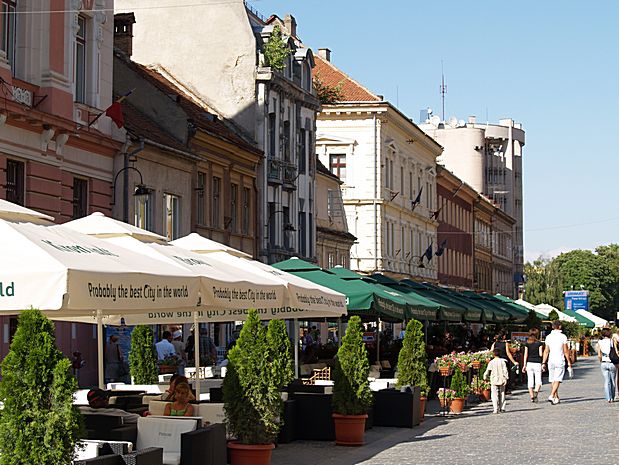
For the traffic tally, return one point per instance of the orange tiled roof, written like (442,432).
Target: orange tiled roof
(331,76)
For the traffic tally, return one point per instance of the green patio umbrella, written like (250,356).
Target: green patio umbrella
(419,307)
(582,320)
(450,311)
(474,312)
(517,307)
(500,313)
(363,299)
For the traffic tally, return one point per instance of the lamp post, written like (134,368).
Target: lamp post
(287,228)
(140,190)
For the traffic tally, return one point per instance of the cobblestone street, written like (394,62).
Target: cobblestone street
(583,429)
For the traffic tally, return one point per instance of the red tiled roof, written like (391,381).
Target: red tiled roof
(331,76)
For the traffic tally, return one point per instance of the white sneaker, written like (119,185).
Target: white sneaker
(551,399)
(555,401)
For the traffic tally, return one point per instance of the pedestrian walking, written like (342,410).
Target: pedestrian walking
(502,344)
(556,353)
(609,370)
(532,363)
(498,374)
(615,342)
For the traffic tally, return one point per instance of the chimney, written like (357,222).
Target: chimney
(291,25)
(123,32)
(325,54)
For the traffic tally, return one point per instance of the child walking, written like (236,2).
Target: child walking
(497,369)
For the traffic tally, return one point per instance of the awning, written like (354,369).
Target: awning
(499,314)
(582,320)
(599,322)
(362,298)
(449,311)
(529,306)
(418,307)
(545,309)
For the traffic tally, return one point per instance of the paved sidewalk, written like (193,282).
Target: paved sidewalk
(583,429)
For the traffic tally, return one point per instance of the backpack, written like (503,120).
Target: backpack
(614,357)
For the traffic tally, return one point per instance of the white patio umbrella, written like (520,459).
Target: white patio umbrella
(305,298)
(13,212)
(545,309)
(200,244)
(597,321)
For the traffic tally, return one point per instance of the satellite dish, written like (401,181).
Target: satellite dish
(453,122)
(435,121)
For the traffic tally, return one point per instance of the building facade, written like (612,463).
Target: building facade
(333,241)
(225,68)
(489,158)
(388,169)
(56,78)
(456,204)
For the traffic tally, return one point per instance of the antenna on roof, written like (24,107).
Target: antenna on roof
(443,89)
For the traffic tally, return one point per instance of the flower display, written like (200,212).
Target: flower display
(446,393)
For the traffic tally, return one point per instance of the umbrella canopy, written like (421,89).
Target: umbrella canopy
(62,271)
(226,294)
(362,298)
(530,306)
(597,321)
(200,244)
(499,313)
(418,307)
(13,212)
(581,319)
(305,299)
(545,309)
(522,310)
(449,311)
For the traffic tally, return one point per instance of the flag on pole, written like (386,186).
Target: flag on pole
(417,199)
(114,111)
(441,248)
(428,253)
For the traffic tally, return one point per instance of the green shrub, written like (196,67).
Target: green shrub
(351,390)
(252,401)
(39,423)
(143,356)
(412,369)
(459,384)
(280,351)
(276,50)
(553,315)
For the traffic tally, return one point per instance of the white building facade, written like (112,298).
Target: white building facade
(223,65)
(489,158)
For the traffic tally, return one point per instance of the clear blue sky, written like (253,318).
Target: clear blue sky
(551,65)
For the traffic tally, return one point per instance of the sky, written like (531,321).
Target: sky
(551,65)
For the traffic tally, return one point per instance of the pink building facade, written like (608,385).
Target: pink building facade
(55,78)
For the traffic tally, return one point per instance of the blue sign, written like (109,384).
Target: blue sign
(576,300)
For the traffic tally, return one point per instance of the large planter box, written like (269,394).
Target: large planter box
(398,409)
(313,416)
(287,430)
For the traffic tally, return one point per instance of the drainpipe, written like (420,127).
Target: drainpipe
(127,156)
(375,193)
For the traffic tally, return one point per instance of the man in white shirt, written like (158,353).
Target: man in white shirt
(556,353)
(165,347)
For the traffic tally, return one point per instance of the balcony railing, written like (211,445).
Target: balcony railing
(274,171)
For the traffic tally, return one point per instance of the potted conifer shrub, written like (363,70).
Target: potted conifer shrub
(252,401)
(351,391)
(143,357)
(461,390)
(412,368)
(39,423)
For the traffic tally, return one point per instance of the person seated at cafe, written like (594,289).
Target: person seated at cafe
(175,380)
(98,404)
(181,406)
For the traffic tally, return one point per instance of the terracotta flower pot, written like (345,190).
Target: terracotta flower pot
(444,371)
(444,402)
(349,429)
(250,454)
(422,407)
(463,367)
(457,405)
(485,395)
(475,364)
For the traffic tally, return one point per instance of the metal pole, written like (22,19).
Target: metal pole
(126,187)
(100,354)
(378,340)
(295,325)
(196,352)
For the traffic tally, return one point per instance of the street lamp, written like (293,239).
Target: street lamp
(287,228)
(140,191)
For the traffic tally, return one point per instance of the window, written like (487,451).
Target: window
(81,45)
(331,260)
(9,25)
(144,212)
(15,191)
(246,210)
(402,181)
(216,201)
(302,235)
(286,141)
(271,129)
(410,185)
(337,165)
(285,226)
(303,151)
(172,216)
(200,213)
(80,198)
(234,203)
(272,225)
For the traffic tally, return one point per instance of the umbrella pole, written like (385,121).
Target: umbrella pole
(378,340)
(295,325)
(196,352)
(100,370)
